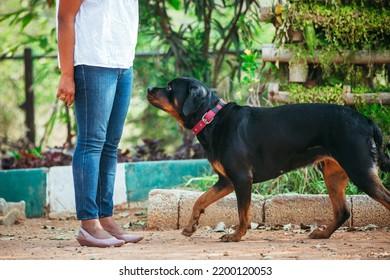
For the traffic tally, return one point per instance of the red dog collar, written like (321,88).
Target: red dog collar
(208,117)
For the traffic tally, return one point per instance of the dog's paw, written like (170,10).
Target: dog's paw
(319,234)
(188,231)
(230,238)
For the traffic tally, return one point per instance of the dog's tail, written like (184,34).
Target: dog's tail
(383,158)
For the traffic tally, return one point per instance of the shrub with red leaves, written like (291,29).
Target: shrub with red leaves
(150,150)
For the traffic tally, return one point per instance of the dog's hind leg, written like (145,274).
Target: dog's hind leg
(362,168)
(336,180)
(378,192)
(368,181)
(222,188)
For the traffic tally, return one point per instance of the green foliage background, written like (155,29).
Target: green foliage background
(217,42)
(195,38)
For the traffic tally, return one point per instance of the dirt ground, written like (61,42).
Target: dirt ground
(54,239)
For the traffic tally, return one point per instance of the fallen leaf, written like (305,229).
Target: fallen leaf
(60,237)
(305,227)
(48,227)
(287,227)
(220,227)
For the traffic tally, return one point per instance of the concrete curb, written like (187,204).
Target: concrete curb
(50,190)
(28,185)
(60,190)
(171,209)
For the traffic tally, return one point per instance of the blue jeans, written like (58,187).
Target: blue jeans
(101,103)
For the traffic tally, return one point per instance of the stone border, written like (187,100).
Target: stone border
(171,209)
(11,211)
(50,190)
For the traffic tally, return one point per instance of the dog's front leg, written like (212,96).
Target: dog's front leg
(222,188)
(243,191)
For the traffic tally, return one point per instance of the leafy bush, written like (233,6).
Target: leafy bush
(341,28)
(23,155)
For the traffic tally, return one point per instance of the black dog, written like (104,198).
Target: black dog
(247,145)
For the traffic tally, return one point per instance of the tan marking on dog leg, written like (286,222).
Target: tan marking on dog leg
(380,194)
(336,180)
(218,168)
(218,191)
(244,225)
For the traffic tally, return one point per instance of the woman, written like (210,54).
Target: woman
(96,44)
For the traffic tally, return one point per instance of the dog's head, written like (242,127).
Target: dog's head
(186,99)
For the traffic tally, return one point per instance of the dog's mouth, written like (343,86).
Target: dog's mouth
(158,100)
(152,96)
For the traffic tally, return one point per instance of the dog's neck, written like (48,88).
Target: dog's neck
(208,117)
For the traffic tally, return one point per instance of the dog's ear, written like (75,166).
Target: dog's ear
(197,95)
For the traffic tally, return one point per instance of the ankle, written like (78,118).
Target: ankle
(94,228)
(110,225)
(91,224)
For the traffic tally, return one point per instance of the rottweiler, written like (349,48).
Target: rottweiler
(246,145)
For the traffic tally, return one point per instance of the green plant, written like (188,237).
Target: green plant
(34,26)
(202,183)
(250,66)
(337,28)
(200,39)
(254,74)
(344,26)
(319,94)
(307,180)
(380,115)
(201,43)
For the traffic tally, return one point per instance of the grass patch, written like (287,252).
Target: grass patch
(308,180)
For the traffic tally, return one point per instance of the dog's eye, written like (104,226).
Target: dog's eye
(169,88)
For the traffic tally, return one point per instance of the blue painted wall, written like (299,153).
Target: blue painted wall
(141,177)
(28,185)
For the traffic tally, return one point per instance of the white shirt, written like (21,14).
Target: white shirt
(106,33)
